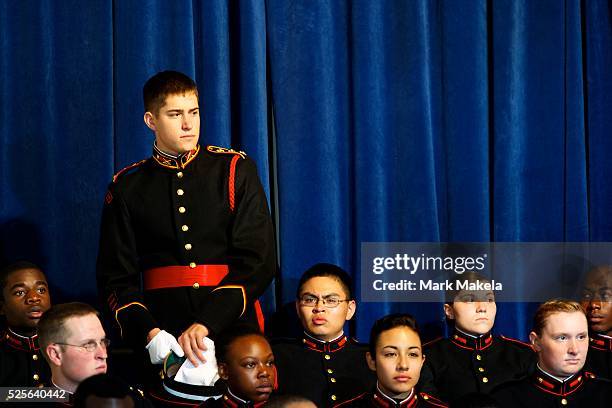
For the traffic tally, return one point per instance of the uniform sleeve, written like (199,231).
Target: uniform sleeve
(118,276)
(251,253)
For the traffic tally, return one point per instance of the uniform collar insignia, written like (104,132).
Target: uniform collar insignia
(600,342)
(553,385)
(20,342)
(470,342)
(174,162)
(324,346)
(380,399)
(232,401)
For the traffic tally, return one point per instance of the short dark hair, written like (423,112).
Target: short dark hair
(470,277)
(327,270)
(162,84)
(51,327)
(389,322)
(10,269)
(281,401)
(106,386)
(225,339)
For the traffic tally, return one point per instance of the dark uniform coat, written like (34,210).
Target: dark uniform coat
(229,400)
(378,399)
(326,373)
(195,231)
(21,362)
(540,390)
(599,357)
(464,364)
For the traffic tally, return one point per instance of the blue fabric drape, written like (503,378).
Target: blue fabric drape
(392,121)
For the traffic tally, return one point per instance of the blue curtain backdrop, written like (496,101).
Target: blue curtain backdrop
(369,121)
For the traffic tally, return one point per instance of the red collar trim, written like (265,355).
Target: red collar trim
(551,385)
(20,342)
(472,342)
(174,162)
(324,346)
(380,399)
(232,401)
(600,342)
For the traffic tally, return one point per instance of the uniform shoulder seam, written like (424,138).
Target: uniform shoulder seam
(225,150)
(515,341)
(128,168)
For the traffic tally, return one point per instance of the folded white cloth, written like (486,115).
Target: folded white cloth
(203,374)
(161,345)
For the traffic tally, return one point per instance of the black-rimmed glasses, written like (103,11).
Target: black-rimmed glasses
(90,346)
(312,301)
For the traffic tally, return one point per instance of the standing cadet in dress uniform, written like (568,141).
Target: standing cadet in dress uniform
(597,301)
(397,358)
(191,225)
(472,359)
(25,297)
(560,338)
(324,366)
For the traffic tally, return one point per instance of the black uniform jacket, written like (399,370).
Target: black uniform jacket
(599,357)
(195,233)
(378,399)
(229,400)
(21,362)
(327,373)
(464,364)
(540,390)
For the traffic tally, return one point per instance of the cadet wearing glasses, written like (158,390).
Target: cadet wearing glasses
(74,344)
(324,365)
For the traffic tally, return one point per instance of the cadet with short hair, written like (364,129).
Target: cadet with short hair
(324,366)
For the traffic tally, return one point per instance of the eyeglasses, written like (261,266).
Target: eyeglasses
(312,301)
(90,346)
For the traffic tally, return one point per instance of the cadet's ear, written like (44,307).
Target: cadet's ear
(534,339)
(449,312)
(223,371)
(54,353)
(371,362)
(352,307)
(149,120)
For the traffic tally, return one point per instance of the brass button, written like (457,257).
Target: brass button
(34,357)
(481,369)
(179,174)
(192,265)
(478,357)
(180,192)
(327,356)
(425,397)
(333,397)
(485,380)
(330,371)
(332,379)
(188,247)
(196,285)
(35,377)
(563,401)
(185,228)
(182,210)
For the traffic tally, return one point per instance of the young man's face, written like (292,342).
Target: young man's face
(249,368)
(597,300)
(321,321)
(177,125)
(398,360)
(562,347)
(473,312)
(75,363)
(26,298)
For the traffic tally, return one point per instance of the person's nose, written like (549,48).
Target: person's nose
(572,347)
(187,123)
(32,297)
(481,307)
(263,371)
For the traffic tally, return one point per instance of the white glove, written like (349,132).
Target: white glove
(203,374)
(161,345)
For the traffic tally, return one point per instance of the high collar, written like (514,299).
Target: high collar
(321,346)
(470,342)
(380,399)
(170,161)
(552,385)
(232,401)
(600,342)
(20,342)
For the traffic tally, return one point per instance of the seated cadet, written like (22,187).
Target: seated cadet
(472,359)
(396,357)
(246,363)
(323,366)
(74,344)
(560,338)
(104,390)
(597,301)
(24,298)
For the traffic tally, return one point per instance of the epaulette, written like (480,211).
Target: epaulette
(224,150)
(430,342)
(589,375)
(126,169)
(432,400)
(515,341)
